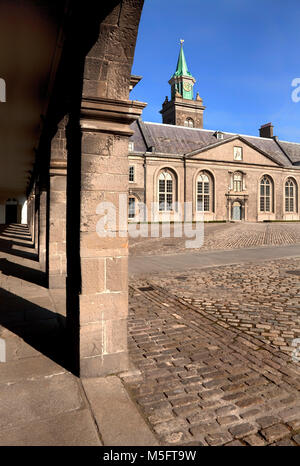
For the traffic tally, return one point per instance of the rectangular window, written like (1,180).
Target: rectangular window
(162,202)
(131,174)
(169,202)
(287,206)
(206,203)
(199,203)
(238,153)
(131,146)
(237,185)
(203,203)
(131,207)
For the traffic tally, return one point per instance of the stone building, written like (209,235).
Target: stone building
(225,176)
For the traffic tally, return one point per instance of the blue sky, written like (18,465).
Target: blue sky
(244,55)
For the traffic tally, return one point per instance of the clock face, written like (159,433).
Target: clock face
(187,87)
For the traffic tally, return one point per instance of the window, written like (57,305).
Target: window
(131,174)
(290,195)
(189,122)
(203,193)
(219,135)
(266,194)
(165,191)
(238,153)
(131,146)
(131,207)
(237,182)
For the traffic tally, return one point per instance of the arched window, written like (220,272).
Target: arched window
(189,122)
(266,194)
(290,195)
(166,190)
(204,193)
(237,182)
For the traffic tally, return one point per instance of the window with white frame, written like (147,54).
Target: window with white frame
(131,174)
(237,182)
(166,191)
(203,193)
(131,146)
(290,195)
(238,153)
(266,194)
(131,207)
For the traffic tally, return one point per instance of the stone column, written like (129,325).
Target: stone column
(229,204)
(97,134)
(56,251)
(31,204)
(103,301)
(43,226)
(36,217)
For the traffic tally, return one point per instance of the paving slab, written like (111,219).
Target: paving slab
(37,399)
(117,416)
(145,265)
(75,428)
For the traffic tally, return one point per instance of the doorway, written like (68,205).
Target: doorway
(11,211)
(236,214)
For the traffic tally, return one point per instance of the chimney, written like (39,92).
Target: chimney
(266,131)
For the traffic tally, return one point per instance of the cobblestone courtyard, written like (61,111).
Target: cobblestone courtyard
(221,236)
(215,351)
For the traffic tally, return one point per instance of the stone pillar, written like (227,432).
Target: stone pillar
(56,251)
(36,216)
(229,207)
(31,208)
(98,265)
(103,302)
(43,227)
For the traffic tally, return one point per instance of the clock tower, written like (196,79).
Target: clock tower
(182,109)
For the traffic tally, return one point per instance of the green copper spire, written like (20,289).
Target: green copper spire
(182,69)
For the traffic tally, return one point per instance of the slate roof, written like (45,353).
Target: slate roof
(292,149)
(179,140)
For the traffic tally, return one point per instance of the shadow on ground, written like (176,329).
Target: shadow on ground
(38,326)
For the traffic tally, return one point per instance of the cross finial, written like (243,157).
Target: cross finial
(181,41)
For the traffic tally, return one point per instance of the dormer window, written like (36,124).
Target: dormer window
(219,135)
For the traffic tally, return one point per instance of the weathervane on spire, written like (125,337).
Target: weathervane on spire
(181,41)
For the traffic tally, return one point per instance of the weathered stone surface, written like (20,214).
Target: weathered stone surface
(188,351)
(254,440)
(241,430)
(276,432)
(38,399)
(75,428)
(116,415)
(218,439)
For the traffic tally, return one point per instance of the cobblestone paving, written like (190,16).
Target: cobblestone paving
(261,300)
(205,382)
(222,237)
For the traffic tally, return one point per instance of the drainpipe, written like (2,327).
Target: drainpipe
(145,190)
